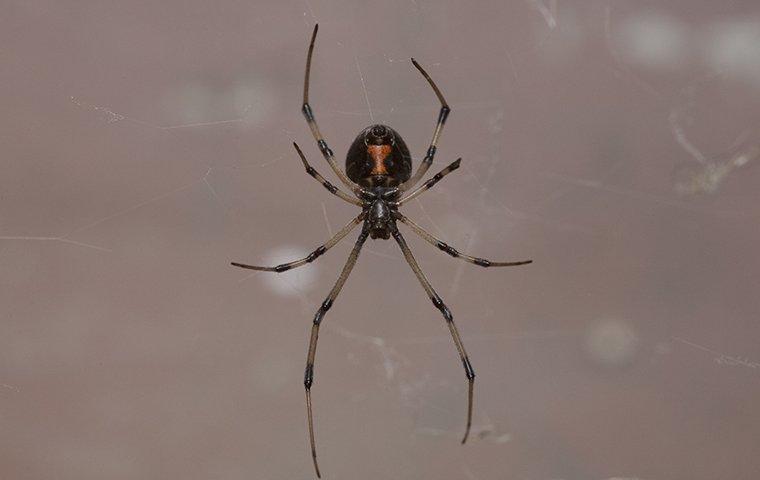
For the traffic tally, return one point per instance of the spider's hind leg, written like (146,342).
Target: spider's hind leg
(310,257)
(445,247)
(309,373)
(468,371)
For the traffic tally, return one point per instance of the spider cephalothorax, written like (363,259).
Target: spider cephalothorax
(380,219)
(378,157)
(379,174)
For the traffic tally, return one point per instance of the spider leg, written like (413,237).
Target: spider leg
(309,373)
(309,115)
(442,115)
(451,250)
(427,185)
(469,372)
(313,255)
(329,186)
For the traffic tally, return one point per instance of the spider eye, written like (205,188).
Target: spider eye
(378,135)
(379,131)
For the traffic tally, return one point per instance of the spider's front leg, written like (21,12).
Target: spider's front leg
(328,186)
(443,114)
(429,184)
(312,121)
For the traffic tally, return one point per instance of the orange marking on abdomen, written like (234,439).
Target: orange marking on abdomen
(378,154)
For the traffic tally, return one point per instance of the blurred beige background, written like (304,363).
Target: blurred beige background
(145,145)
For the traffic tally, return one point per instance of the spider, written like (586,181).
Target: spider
(379,174)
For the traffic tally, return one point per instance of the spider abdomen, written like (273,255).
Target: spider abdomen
(378,157)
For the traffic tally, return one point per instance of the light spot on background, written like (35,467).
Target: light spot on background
(290,283)
(241,101)
(652,40)
(734,48)
(611,343)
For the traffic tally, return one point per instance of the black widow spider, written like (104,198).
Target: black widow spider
(378,172)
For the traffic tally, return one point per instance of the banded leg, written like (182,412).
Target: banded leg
(442,115)
(309,374)
(468,371)
(313,255)
(309,115)
(329,186)
(451,250)
(427,185)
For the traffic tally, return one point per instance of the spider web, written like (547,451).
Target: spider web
(614,143)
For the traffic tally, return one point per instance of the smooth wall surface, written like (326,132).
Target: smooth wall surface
(145,145)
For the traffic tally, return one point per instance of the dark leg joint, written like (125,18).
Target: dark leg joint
(322,310)
(282,268)
(306,109)
(324,148)
(310,170)
(318,316)
(430,153)
(448,249)
(468,369)
(316,253)
(308,377)
(444,114)
(443,308)
(330,187)
(326,304)
(482,262)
